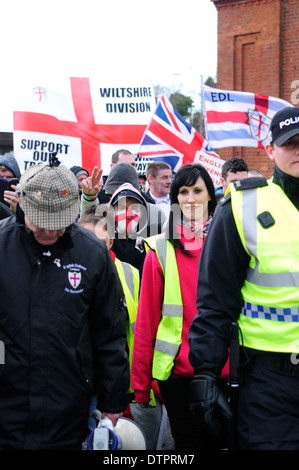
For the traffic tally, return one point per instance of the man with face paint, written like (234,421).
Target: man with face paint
(135,218)
(130,212)
(127,212)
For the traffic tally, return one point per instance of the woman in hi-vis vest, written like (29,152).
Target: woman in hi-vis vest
(167,304)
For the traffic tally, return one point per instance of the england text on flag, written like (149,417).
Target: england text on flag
(170,138)
(235,118)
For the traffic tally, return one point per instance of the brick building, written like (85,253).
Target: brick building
(258,52)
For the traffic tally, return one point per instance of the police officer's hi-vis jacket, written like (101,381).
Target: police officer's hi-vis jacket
(268,225)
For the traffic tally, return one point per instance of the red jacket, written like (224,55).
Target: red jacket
(149,315)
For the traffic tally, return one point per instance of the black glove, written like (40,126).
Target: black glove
(206,399)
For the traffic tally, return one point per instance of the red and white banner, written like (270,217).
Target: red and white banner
(212,164)
(84,120)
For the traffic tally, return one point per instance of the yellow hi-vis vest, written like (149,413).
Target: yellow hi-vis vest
(268,225)
(169,333)
(129,278)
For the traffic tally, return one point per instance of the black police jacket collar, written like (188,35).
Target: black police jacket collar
(289,185)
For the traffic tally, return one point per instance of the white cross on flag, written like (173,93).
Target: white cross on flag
(84,120)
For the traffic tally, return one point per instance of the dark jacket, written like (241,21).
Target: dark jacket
(62,322)
(4,211)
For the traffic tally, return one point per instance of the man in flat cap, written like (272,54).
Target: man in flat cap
(62,319)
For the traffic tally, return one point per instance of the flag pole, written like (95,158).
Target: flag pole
(205,133)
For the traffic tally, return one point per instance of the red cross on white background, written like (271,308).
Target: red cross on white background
(40,92)
(73,279)
(85,128)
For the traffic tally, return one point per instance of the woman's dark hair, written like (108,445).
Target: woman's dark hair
(187,175)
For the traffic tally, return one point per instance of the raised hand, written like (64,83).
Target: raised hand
(92,185)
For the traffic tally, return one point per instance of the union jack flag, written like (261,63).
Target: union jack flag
(170,138)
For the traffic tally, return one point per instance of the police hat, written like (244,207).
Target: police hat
(284,125)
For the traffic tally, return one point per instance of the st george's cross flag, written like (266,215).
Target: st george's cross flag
(84,120)
(235,118)
(171,139)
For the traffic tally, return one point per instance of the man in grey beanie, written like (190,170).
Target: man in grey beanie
(119,174)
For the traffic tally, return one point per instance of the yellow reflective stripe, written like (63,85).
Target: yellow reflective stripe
(166,347)
(170,310)
(129,278)
(273,279)
(161,246)
(249,229)
(249,213)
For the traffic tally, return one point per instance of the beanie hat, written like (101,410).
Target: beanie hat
(78,171)
(49,196)
(120,173)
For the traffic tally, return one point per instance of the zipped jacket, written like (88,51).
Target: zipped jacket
(223,268)
(63,326)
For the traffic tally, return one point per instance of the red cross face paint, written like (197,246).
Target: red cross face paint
(127,220)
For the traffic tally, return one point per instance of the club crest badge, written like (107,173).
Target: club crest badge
(74,278)
(259,124)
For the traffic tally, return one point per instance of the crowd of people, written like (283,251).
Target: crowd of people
(124,292)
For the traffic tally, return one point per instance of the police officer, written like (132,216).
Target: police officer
(249,272)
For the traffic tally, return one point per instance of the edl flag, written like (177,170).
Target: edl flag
(235,118)
(84,120)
